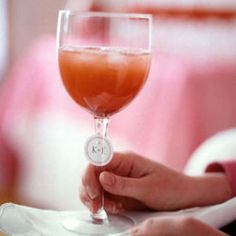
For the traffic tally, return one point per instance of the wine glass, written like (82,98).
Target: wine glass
(104,61)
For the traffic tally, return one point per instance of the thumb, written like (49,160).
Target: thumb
(119,185)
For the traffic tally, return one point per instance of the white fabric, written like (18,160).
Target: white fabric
(219,147)
(21,220)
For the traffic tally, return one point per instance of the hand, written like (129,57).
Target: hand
(132,182)
(174,226)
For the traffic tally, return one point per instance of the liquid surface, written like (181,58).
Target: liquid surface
(103,80)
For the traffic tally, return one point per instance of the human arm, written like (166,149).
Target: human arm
(133,182)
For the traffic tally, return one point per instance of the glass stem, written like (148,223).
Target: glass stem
(101,125)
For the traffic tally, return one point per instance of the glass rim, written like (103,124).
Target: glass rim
(67,13)
(107,14)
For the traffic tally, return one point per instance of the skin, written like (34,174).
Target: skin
(132,182)
(179,226)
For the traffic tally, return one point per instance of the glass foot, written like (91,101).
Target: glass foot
(84,224)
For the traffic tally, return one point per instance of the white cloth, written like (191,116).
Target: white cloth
(21,220)
(219,147)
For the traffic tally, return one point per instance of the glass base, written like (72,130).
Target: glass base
(84,224)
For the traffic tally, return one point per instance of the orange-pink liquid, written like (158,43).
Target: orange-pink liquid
(103,80)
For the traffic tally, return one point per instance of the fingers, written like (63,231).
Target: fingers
(92,204)
(90,182)
(157,226)
(119,185)
(179,226)
(148,227)
(85,199)
(93,181)
(90,189)
(91,193)
(117,160)
(110,204)
(121,164)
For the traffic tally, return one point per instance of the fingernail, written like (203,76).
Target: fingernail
(108,179)
(91,192)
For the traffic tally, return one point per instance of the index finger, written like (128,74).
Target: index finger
(127,164)
(90,182)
